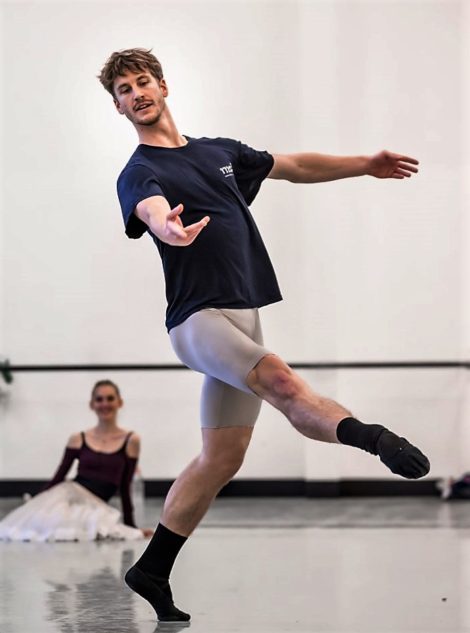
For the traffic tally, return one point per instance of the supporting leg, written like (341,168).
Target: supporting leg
(187,502)
(192,493)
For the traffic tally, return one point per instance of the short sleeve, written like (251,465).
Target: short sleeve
(136,183)
(252,168)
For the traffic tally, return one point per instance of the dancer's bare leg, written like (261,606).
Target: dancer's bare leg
(191,494)
(323,419)
(187,502)
(312,415)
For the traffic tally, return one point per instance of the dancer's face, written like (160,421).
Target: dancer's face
(140,97)
(106,403)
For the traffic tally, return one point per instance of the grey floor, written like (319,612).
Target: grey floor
(262,565)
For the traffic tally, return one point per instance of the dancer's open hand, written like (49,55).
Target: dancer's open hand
(166,223)
(388,165)
(176,234)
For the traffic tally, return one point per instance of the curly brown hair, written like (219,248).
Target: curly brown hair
(130,60)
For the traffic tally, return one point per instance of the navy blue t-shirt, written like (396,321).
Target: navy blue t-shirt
(227,266)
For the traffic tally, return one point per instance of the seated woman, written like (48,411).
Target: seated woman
(78,510)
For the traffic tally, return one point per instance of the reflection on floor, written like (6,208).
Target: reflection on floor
(262,566)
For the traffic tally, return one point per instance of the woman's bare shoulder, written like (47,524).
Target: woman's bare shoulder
(75,440)
(133,445)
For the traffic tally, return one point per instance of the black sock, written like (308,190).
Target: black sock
(158,559)
(401,457)
(149,577)
(355,433)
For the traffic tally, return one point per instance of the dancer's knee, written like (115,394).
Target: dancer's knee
(272,378)
(223,465)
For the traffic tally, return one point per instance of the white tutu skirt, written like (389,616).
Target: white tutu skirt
(65,512)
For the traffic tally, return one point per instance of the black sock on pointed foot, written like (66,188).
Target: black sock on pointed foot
(149,577)
(157,593)
(401,457)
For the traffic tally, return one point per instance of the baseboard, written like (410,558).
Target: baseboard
(271,488)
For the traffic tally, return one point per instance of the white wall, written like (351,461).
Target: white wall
(464,435)
(370,270)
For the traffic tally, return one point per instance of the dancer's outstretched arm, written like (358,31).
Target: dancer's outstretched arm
(310,167)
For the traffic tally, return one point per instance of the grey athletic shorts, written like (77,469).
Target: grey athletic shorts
(225,345)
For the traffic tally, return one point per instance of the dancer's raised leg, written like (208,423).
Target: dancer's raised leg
(323,419)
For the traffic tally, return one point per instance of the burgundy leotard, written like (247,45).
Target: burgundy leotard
(101,473)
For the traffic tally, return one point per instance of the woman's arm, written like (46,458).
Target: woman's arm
(132,455)
(70,453)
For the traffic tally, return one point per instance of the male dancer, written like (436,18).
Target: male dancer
(217,275)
